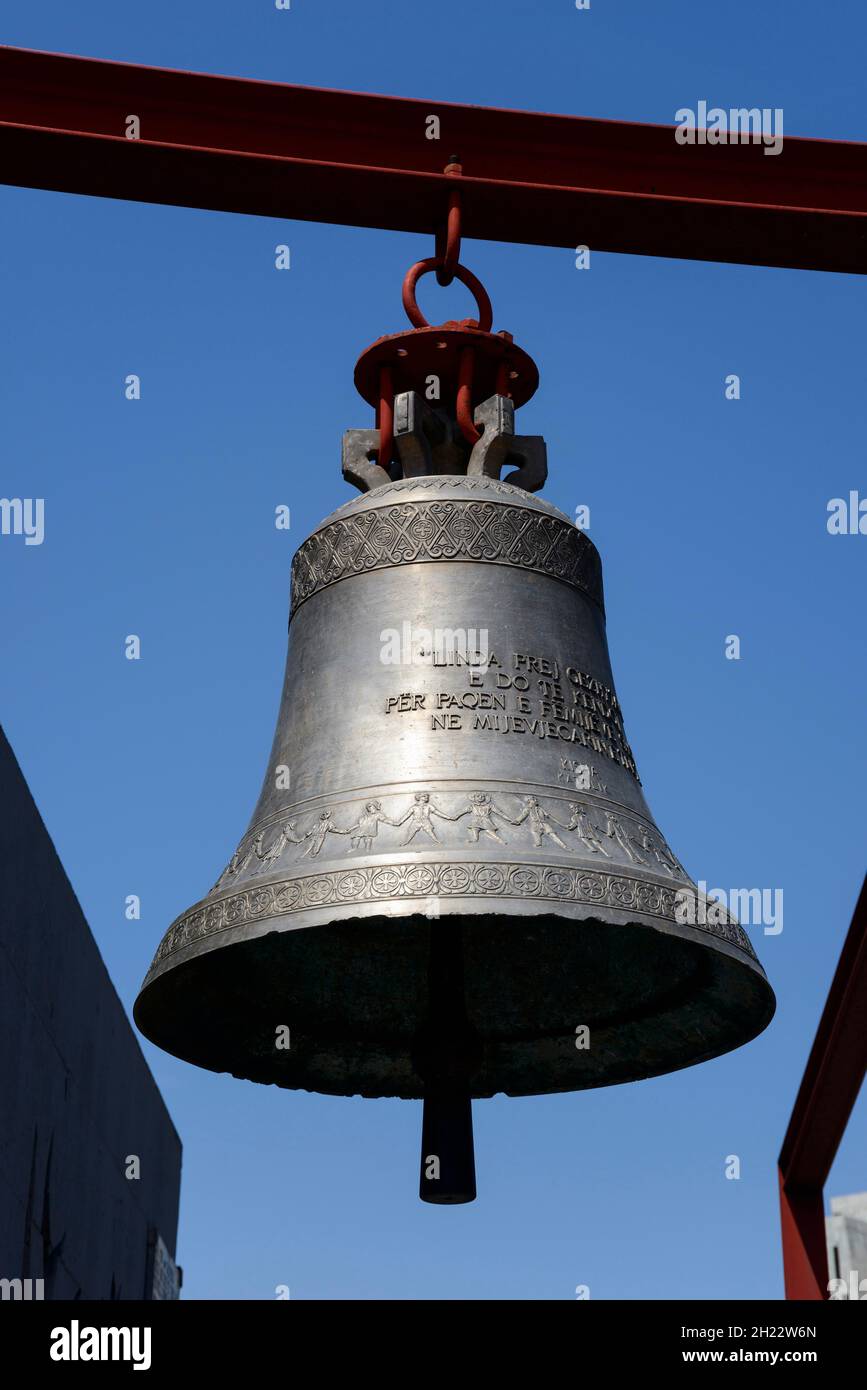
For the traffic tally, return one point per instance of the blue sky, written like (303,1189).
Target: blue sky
(711,519)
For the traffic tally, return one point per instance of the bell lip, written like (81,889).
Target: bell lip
(723,961)
(454,904)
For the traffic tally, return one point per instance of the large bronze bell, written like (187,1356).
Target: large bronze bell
(451,884)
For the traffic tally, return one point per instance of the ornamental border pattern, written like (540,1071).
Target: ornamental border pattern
(386,882)
(442,482)
(446,529)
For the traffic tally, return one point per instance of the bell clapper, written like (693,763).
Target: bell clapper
(446,1056)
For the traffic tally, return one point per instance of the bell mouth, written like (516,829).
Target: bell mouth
(352,998)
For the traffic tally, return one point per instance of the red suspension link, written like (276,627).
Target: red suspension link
(385,418)
(465,396)
(447,265)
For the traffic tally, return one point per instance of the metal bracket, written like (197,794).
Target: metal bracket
(499,443)
(496,419)
(425,439)
(416,430)
(360,448)
(425,442)
(534,469)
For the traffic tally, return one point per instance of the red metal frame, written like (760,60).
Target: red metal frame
(829,1089)
(330,156)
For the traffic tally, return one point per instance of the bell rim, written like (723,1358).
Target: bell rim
(456,903)
(725,966)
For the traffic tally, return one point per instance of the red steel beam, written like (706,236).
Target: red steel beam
(832,1079)
(805,1249)
(330,156)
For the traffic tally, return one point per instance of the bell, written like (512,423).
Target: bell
(451,885)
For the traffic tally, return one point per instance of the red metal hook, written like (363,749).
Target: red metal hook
(449,254)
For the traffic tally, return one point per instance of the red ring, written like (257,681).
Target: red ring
(466,277)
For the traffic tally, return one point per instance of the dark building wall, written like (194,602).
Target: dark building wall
(76,1095)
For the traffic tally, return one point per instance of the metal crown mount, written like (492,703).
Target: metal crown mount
(445,396)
